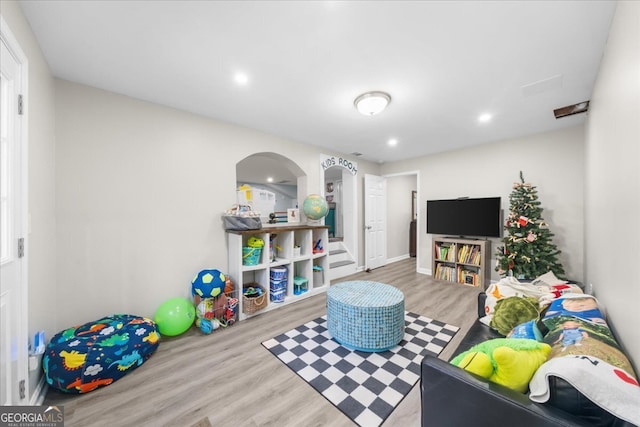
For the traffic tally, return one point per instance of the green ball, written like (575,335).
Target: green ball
(175,316)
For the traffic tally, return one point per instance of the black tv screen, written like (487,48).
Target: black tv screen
(480,217)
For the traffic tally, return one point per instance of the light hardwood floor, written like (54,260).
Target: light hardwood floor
(228,378)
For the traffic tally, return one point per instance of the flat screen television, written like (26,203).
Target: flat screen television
(479,217)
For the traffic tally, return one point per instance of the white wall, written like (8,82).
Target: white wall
(553,162)
(612,175)
(140,189)
(41,241)
(399,190)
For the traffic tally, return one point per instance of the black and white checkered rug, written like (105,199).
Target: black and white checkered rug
(366,387)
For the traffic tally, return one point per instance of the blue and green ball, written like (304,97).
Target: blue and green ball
(208,284)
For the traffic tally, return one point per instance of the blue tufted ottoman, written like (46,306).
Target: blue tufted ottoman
(365,316)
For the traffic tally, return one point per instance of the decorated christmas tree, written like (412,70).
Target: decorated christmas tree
(527,250)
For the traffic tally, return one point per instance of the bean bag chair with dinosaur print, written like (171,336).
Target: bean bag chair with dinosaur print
(82,358)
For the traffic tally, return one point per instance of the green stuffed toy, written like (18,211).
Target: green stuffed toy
(507,361)
(513,311)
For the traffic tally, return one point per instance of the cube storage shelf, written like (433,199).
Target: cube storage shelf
(462,261)
(292,247)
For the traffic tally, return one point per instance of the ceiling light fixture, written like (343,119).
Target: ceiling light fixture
(372,103)
(484,118)
(392,142)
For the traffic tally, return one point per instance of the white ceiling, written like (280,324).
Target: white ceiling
(443,63)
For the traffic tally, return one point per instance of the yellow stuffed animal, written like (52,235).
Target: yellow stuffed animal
(507,361)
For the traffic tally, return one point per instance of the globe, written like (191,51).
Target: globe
(315,207)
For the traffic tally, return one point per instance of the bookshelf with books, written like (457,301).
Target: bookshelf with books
(464,261)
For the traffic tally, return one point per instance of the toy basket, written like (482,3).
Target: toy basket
(252,304)
(251,256)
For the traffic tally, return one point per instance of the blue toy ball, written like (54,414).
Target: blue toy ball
(208,284)
(205,326)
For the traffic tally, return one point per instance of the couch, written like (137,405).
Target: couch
(451,396)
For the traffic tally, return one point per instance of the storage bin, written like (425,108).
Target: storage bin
(278,273)
(251,256)
(276,285)
(252,304)
(241,223)
(278,296)
(318,275)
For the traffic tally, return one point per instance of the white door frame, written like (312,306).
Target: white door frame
(375,221)
(21,225)
(418,214)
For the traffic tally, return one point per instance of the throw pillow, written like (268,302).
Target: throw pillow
(528,330)
(549,279)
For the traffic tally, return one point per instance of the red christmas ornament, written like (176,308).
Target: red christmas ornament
(523,221)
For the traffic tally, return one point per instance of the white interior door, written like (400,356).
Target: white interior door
(13,313)
(375,218)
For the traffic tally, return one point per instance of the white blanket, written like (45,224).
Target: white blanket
(607,386)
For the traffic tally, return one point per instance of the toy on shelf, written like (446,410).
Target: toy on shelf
(251,253)
(317,247)
(273,248)
(252,292)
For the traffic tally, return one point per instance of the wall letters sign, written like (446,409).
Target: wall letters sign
(330,161)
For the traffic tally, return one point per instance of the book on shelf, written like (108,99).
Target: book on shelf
(468,277)
(445,272)
(469,254)
(445,252)
(475,259)
(461,253)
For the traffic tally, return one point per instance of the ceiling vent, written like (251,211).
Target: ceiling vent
(570,110)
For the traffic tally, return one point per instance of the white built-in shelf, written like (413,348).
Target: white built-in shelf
(285,238)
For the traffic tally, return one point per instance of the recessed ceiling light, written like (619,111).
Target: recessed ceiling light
(485,118)
(392,142)
(269,179)
(241,78)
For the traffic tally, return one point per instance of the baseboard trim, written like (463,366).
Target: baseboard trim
(39,393)
(424,271)
(398,258)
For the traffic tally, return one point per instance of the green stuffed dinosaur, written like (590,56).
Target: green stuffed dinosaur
(507,361)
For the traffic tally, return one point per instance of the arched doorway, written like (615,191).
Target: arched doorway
(339,186)
(273,174)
